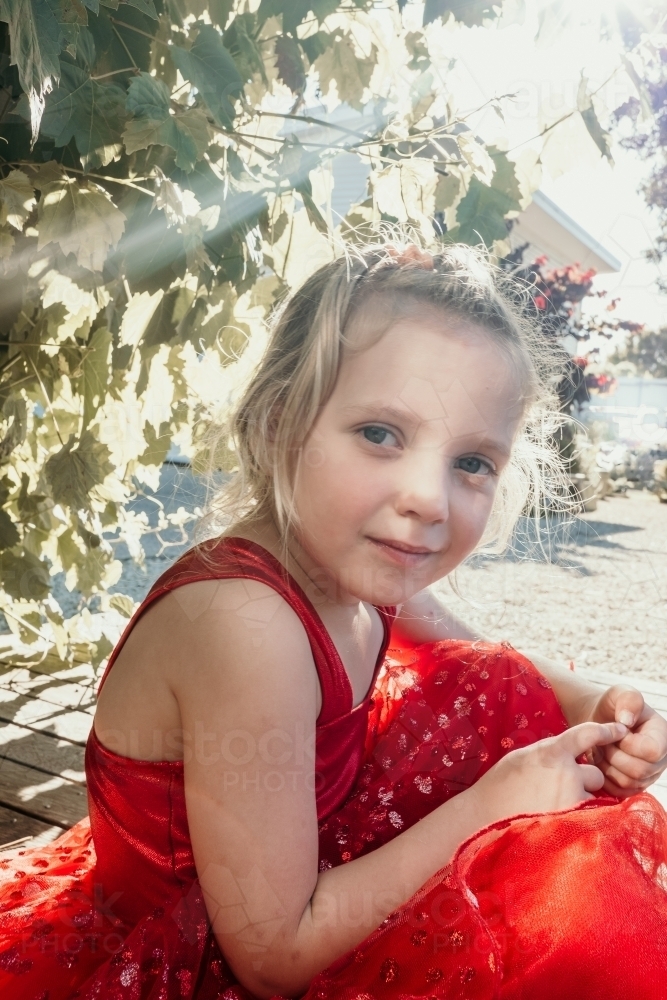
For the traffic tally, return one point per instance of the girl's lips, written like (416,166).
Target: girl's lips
(401,552)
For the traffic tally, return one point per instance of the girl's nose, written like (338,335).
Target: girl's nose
(424,489)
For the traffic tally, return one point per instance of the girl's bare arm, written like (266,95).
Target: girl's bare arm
(243,675)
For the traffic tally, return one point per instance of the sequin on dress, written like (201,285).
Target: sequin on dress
(559,905)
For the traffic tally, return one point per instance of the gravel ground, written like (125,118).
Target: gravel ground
(599,597)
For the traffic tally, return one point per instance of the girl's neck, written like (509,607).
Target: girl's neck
(314,579)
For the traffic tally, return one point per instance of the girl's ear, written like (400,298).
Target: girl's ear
(272,427)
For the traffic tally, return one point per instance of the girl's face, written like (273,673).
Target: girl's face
(397,477)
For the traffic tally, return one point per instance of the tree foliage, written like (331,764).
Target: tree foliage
(642,120)
(162,186)
(644,353)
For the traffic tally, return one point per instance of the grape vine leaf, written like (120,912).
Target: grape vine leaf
(599,136)
(17,199)
(587,111)
(35,43)
(95,370)
(219,11)
(186,132)
(470,12)
(24,576)
(76,469)
(9,535)
(145,6)
(157,444)
(210,68)
(82,220)
(305,189)
(481,215)
(289,63)
(504,177)
(7,242)
(340,62)
(239,39)
(294,12)
(91,113)
(123,604)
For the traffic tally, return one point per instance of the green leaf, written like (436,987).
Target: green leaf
(162,326)
(153,251)
(82,220)
(7,242)
(470,12)
(210,68)
(316,44)
(17,199)
(148,97)
(446,191)
(157,445)
(30,504)
(76,469)
(24,576)
(289,63)
(9,535)
(96,373)
(243,47)
(294,12)
(145,6)
(481,215)
(186,132)
(123,604)
(86,54)
(91,113)
(14,409)
(504,177)
(219,11)
(35,42)
(305,189)
(599,136)
(340,62)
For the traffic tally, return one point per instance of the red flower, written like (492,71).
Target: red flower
(540,302)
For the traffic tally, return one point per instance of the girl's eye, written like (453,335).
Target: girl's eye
(474,466)
(378,435)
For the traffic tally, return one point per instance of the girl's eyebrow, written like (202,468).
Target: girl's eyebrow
(380,411)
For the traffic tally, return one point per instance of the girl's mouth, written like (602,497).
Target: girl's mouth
(400,552)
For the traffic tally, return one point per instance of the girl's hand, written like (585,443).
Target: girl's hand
(545,776)
(634,763)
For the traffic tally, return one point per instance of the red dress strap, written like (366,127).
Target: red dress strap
(231,557)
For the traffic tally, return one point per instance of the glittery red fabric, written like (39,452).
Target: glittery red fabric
(560,905)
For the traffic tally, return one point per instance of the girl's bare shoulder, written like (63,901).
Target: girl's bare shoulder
(203,645)
(216,619)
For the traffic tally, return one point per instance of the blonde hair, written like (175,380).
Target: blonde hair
(365,291)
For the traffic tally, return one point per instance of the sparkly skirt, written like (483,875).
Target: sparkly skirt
(558,905)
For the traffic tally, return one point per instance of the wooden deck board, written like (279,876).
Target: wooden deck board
(48,797)
(14,826)
(42,751)
(33,713)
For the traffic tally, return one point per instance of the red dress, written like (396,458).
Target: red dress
(556,905)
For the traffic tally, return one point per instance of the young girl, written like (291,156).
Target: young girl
(281,805)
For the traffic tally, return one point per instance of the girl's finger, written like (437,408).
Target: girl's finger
(592,777)
(581,738)
(649,744)
(634,767)
(624,781)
